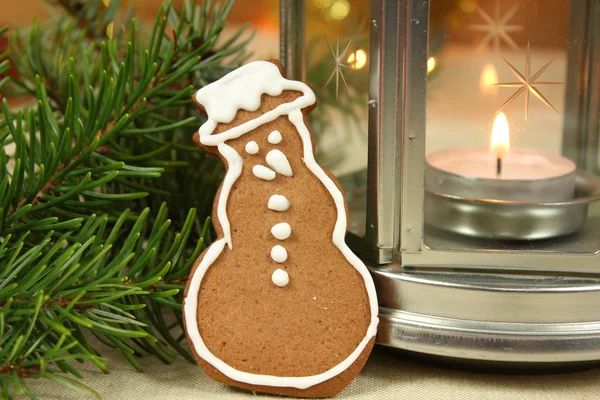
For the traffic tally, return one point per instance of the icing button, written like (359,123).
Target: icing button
(280,277)
(278,202)
(281,231)
(279,254)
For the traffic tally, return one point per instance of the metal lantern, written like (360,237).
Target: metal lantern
(506,273)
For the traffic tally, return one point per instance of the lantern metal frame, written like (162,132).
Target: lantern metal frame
(397,130)
(582,123)
(454,297)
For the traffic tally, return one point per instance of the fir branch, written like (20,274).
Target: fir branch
(154,73)
(91,240)
(100,283)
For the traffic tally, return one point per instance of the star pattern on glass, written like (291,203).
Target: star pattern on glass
(527,84)
(497,29)
(356,28)
(338,64)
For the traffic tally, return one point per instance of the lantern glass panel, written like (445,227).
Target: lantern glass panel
(337,68)
(509,143)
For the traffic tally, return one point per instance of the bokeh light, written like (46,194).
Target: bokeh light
(358,59)
(339,9)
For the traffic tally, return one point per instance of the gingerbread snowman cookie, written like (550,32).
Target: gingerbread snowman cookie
(279,303)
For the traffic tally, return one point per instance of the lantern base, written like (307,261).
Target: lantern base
(503,318)
(492,367)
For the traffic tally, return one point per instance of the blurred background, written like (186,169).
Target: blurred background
(471,44)
(547,22)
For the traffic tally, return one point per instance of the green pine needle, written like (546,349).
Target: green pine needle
(104,201)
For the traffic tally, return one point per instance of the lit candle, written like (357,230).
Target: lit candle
(500,141)
(501,173)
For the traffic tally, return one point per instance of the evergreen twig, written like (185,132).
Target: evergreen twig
(91,241)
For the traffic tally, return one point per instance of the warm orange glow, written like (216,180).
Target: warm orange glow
(468,6)
(488,79)
(323,3)
(500,143)
(430,64)
(358,59)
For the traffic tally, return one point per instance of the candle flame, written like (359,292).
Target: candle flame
(488,79)
(430,64)
(500,143)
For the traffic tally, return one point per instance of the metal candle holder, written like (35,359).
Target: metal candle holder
(510,219)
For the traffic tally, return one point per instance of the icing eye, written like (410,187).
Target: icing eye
(275,137)
(252,147)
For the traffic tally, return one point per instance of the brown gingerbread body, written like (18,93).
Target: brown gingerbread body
(317,320)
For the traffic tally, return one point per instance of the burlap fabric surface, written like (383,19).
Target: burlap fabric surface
(387,375)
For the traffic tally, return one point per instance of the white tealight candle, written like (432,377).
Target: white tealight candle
(526,175)
(500,173)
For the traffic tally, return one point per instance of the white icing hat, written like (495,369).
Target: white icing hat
(242,89)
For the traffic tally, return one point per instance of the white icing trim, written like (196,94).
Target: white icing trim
(275,137)
(280,277)
(262,172)
(279,253)
(339,231)
(234,161)
(252,147)
(279,162)
(281,231)
(278,202)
